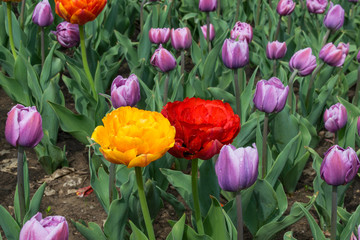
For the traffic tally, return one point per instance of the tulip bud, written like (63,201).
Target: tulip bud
(334,19)
(163,59)
(23,126)
(181,38)
(53,227)
(235,54)
(125,91)
(334,56)
(42,14)
(335,117)
(159,35)
(242,31)
(339,166)
(285,7)
(303,61)
(237,169)
(316,6)
(67,34)
(207,5)
(211,31)
(276,50)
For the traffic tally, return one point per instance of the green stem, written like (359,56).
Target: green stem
(333,212)
(237,10)
(22,14)
(327,34)
(219,8)
(291,82)
(289,24)
(336,138)
(20,182)
(208,31)
(270,23)
(264,145)
(277,29)
(141,16)
(11,37)
(85,61)
(257,13)
(356,97)
(111,181)
(143,203)
(182,66)
(309,91)
(274,67)
(166,87)
(158,12)
(237,92)
(195,193)
(240,228)
(42,46)
(169,13)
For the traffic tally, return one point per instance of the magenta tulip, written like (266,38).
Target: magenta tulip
(125,91)
(303,61)
(242,31)
(285,7)
(163,60)
(335,117)
(212,31)
(67,34)
(181,38)
(276,50)
(159,35)
(207,5)
(334,19)
(42,14)
(316,6)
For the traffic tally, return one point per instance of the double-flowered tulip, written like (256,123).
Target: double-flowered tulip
(181,38)
(303,61)
(339,166)
(42,14)
(23,126)
(242,31)
(285,7)
(316,6)
(163,60)
(125,91)
(235,54)
(237,169)
(212,31)
(276,50)
(334,18)
(335,117)
(332,55)
(207,5)
(67,34)
(159,35)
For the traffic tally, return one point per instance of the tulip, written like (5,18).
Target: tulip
(23,126)
(242,31)
(339,166)
(303,61)
(334,19)
(237,169)
(316,6)
(276,50)
(67,34)
(163,59)
(285,7)
(335,117)
(358,125)
(159,35)
(42,14)
(49,228)
(344,47)
(125,91)
(212,31)
(207,5)
(358,56)
(235,54)
(181,38)
(270,96)
(334,56)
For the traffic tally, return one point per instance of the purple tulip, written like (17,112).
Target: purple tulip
(49,228)
(159,35)
(344,47)
(67,34)
(334,19)
(125,91)
(335,117)
(285,7)
(23,126)
(276,50)
(339,166)
(42,14)
(181,38)
(207,5)
(242,31)
(211,31)
(334,56)
(303,61)
(270,96)
(235,54)
(358,56)
(163,59)
(237,169)
(316,6)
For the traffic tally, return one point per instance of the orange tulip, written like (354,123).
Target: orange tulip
(79,11)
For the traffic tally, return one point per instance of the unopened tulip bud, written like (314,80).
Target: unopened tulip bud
(125,91)
(163,59)
(181,38)
(334,19)
(235,54)
(334,56)
(42,14)
(67,34)
(335,117)
(276,50)
(242,31)
(159,35)
(303,61)
(316,6)
(285,7)
(207,5)
(212,31)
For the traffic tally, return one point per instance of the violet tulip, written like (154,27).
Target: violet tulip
(125,91)
(237,169)
(344,47)
(242,31)
(181,38)
(334,19)
(235,54)
(285,7)
(207,5)
(23,126)
(212,31)
(334,56)
(335,117)
(49,228)
(67,34)
(303,61)
(339,166)
(276,50)
(270,96)
(42,14)
(163,59)
(316,6)
(159,35)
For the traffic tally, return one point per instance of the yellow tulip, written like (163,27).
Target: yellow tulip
(134,137)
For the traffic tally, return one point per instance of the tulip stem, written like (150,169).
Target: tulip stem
(291,82)
(143,203)
(237,92)
(182,66)
(42,46)
(237,10)
(208,31)
(264,145)
(166,87)
(219,8)
(240,231)
(141,16)
(327,34)
(22,14)
(289,24)
(169,13)
(20,182)
(356,97)
(111,181)
(11,37)
(309,91)
(274,67)
(277,29)
(195,193)
(85,61)
(333,212)
(257,13)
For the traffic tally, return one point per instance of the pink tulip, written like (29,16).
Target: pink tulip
(303,61)
(242,31)
(212,31)
(181,38)
(159,35)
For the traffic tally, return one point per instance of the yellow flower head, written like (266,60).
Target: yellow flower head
(134,137)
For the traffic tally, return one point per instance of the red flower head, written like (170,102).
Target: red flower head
(202,127)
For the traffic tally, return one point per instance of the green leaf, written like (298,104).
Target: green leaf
(289,236)
(351,225)
(315,229)
(9,225)
(47,68)
(35,203)
(177,231)
(136,234)
(90,232)
(114,227)
(14,90)
(214,223)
